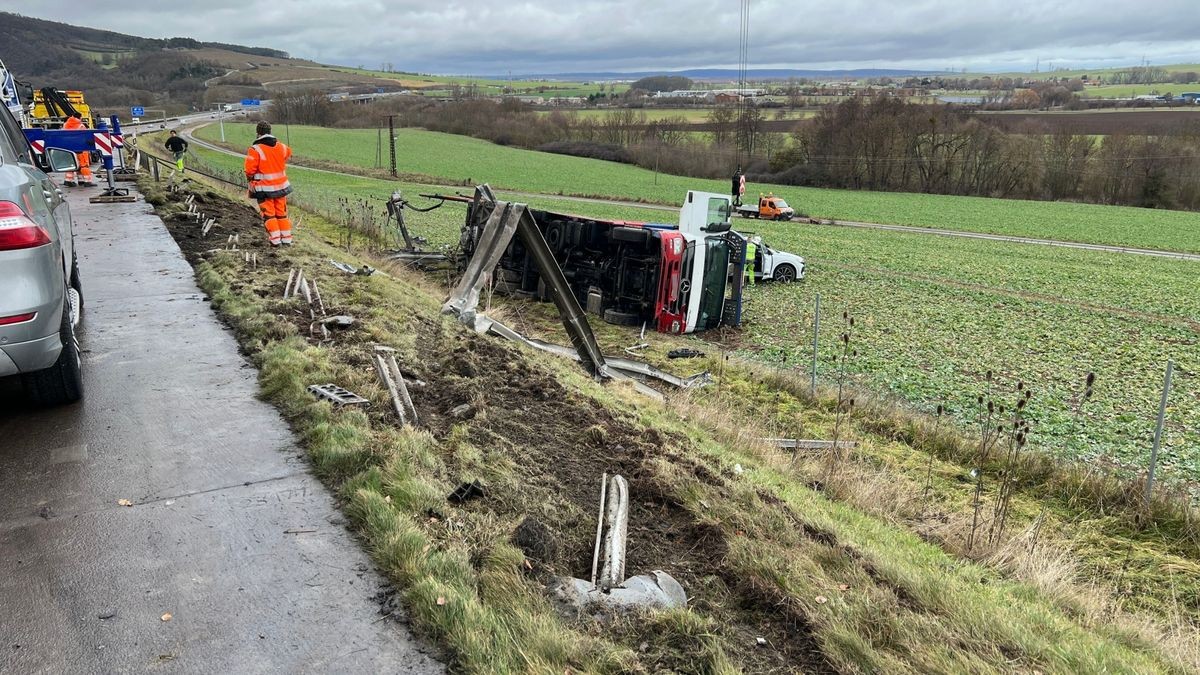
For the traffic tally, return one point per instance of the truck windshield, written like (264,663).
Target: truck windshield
(716,275)
(718,214)
(780,204)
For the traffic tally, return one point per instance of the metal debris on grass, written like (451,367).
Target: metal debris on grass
(339,396)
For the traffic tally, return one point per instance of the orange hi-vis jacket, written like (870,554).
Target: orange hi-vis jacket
(266,168)
(72,123)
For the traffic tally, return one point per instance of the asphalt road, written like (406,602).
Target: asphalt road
(906,229)
(227,532)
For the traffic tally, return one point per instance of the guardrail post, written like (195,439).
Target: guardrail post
(1158,429)
(816,333)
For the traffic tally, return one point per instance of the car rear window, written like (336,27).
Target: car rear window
(13,146)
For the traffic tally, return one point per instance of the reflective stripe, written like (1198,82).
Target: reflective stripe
(261,154)
(273,188)
(270,176)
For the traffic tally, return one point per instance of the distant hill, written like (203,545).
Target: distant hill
(756,74)
(116,71)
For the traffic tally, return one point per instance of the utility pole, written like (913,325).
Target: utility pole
(221,120)
(392,141)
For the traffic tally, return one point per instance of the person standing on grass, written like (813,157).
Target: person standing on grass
(751,253)
(178,148)
(266,172)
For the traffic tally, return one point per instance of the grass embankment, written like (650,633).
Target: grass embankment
(462,159)
(937,313)
(761,555)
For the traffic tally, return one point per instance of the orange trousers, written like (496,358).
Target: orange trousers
(85,169)
(275,220)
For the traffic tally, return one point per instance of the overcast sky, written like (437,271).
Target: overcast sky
(552,36)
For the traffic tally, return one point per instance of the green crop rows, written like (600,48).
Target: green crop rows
(933,313)
(459,158)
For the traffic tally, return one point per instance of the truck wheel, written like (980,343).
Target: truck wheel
(62,382)
(619,318)
(785,274)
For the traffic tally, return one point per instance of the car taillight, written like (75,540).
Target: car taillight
(17,231)
(19,318)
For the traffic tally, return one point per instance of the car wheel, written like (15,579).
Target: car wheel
(785,274)
(62,382)
(616,316)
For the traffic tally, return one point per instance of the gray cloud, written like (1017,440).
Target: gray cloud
(588,35)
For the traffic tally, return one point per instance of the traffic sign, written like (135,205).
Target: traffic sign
(138,111)
(250,102)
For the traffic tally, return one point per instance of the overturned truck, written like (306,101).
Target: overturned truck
(676,278)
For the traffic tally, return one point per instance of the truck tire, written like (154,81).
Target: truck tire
(785,274)
(62,382)
(619,318)
(633,235)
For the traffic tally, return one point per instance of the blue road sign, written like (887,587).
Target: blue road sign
(251,102)
(378,90)
(138,111)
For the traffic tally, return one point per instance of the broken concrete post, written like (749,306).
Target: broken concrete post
(287,288)
(657,590)
(386,359)
(320,302)
(616,522)
(599,527)
(385,376)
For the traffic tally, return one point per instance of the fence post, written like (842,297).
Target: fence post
(1162,412)
(153,167)
(816,333)
(392,141)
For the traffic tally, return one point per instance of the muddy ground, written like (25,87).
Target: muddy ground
(559,444)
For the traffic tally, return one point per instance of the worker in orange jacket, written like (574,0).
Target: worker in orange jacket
(266,172)
(75,121)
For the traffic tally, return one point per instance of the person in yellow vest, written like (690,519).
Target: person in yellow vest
(75,121)
(266,172)
(751,252)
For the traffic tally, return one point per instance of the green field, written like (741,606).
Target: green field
(689,114)
(934,313)
(491,86)
(460,158)
(1080,72)
(1131,90)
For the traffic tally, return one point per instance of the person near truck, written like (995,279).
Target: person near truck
(751,252)
(178,148)
(266,172)
(75,121)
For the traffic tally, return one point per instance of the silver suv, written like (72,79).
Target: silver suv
(40,291)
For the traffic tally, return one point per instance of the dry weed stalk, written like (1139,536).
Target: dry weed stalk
(845,406)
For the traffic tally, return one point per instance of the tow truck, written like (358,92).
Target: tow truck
(52,107)
(769,207)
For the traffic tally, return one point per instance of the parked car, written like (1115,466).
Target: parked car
(41,298)
(774,264)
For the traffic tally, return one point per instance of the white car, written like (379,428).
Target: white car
(774,264)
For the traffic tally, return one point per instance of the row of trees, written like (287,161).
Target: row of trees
(890,145)
(881,144)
